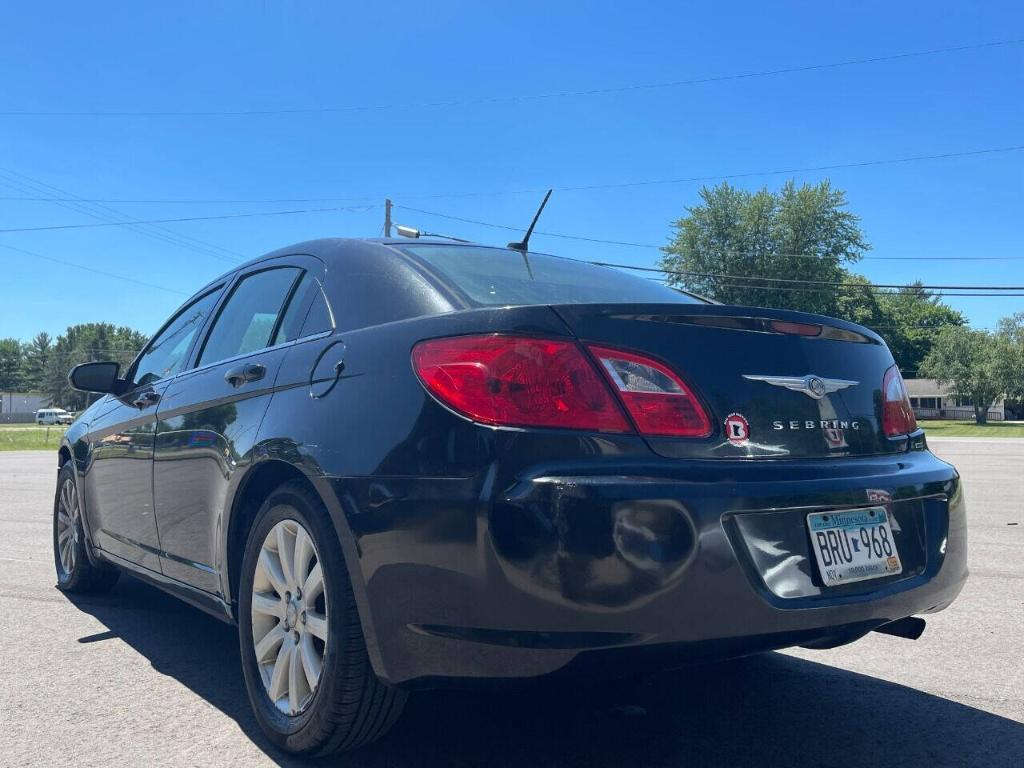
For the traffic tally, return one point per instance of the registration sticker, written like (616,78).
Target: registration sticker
(853,545)
(737,429)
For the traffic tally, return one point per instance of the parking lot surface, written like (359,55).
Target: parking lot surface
(136,678)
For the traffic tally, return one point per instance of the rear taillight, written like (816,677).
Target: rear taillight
(518,381)
(659,402)
(897,416)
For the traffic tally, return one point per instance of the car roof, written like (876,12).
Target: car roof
(332,250)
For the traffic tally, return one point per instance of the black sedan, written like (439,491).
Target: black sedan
(404,464)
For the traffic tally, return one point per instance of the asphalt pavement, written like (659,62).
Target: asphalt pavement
(136,678)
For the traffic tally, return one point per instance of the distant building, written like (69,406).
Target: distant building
(930,401)
(18,407)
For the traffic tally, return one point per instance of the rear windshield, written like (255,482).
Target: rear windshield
(499,276)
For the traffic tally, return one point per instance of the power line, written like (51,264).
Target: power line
(103,213)
(185,218)
(940,327)
(80,208)
(179,239)
(497,193)
(652,246)
(191,201)
(500,226)
(976,290)
(520,229)
(515,98)
(745,174)
(832,283)
(716,275)
(865,288)
(940,258)
(92,269)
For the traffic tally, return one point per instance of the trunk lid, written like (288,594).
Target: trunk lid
(772,390)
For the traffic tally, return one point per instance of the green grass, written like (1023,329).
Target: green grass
(29,437)
(970,429)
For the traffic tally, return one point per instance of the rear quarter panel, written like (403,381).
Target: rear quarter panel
(369,435)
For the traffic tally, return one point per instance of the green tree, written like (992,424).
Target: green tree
(81,344)
(55,375)
(37,352)
(12,358)
(970,362)
(909,320)
(804,236)
(860,303)
(799,233)
(1011,354)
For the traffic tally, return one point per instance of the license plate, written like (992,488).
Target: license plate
(853,545)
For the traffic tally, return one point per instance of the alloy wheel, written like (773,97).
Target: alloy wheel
(289,616)
(67,527)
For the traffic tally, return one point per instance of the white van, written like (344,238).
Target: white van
(53,416)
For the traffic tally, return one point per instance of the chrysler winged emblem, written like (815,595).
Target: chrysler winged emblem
(812,386)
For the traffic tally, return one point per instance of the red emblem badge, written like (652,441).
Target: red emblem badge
(737,429)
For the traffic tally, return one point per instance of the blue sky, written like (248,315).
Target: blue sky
(251,56)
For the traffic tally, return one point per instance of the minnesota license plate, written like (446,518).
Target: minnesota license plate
(853,545)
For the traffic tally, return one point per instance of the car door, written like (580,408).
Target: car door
(210,415)
(118,480)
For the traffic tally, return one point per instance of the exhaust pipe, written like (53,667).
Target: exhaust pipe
(911,628)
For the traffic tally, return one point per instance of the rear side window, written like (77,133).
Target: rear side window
(249,317)
(500,276)
(303,318)
(319,318)
(166,352)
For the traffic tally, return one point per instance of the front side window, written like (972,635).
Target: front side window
(500,276)
(249,318)
(166,353)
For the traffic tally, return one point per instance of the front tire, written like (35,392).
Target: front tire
(304,659)
(75,573)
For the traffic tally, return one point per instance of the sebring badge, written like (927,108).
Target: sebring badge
(813,386)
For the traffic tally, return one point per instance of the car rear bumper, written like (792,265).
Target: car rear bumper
(654,562)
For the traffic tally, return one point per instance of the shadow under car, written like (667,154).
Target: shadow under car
(764,710)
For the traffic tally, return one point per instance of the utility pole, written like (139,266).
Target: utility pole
(387,217)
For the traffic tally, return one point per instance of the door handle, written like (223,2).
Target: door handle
(146,399)
(243,374)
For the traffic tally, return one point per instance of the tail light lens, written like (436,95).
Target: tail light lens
(659,402)
(897,416)
(518,381)
(796,329)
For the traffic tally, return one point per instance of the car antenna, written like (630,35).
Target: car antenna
(524,245)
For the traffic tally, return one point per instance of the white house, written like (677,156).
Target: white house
(930,401)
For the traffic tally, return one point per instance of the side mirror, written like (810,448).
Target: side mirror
(95,377)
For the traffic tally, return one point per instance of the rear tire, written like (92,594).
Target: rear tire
(75,573)
(331,700)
